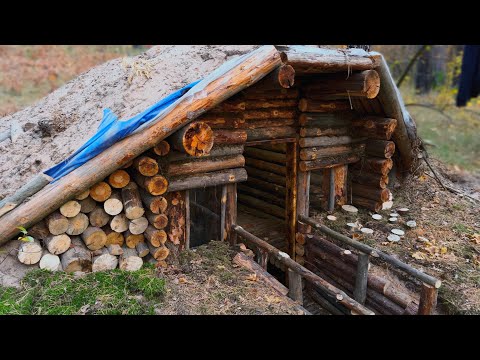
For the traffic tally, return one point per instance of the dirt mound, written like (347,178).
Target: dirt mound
(58,124)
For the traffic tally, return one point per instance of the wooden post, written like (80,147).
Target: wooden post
(291,196)
(262,258)
(361,279)
(231,213)
(223,211)
(187,219)
(428,300)
(295,286)
(331,191)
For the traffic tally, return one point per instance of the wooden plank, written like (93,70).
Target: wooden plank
(223,213)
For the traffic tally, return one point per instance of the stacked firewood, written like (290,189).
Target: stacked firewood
(338,267)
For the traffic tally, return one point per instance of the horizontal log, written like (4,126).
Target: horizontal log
(279,148)
(266,196)
(374,205)
(235,103)
(267,186)
(312,153)
(217,150)
(254,104)
(328,162)
(281,113)
(162,148)
(266,176)
(374,127)
(261,205)
(266,155)
(155,185)
(324,141)
(146,166)
(156,204)
(266,165)
(327,120)
(375,165)
(318,106)
(210,179)
(195,139)
(281,77)
(261,94)
(370,179)
(368,192)
(380,148)
(224,137)
(87,205)
(271,133)
(316,131)
(255,212)
(202,165)
(100,191)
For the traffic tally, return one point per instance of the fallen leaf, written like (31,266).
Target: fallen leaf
(182,280)
(443,250)
(252,277)
(272,299)
(220,267)
(419,255)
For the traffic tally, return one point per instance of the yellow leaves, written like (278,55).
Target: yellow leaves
(475,238)
(272,299)
(443,250)
(422,178)
(252,277)
(419,255)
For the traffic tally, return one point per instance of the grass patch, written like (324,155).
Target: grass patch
(115,292)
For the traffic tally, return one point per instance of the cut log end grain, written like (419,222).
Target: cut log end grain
(159,253)
(195,139)
(158,205)
(70,209)
(132,202)
(77,258)
(146,166)
(159,221)
(142,249)
(114,205)
(57,244)
(119,223)
(156,185)
(94,238)
(131,240)
(77,224)
(104,262)
(83,195)
(30,253)
(115,249)
(87,205)
(286,76)
(138,226)
(371,85)
(119,179)
(155,236)
(113,237)
(39,230)
(100,192)
(57,223)
(98,217)
(162,148)
(50,262)
(129,260)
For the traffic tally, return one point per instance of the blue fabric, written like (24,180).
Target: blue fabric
(111,130)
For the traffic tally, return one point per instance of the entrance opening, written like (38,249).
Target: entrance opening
(205,215)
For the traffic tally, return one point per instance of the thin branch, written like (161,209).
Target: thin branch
(413,60)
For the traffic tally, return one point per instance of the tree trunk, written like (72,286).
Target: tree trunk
(132,203)
(374,127)
(195,139)
(318,106)
(262,94)
(57,223)
(313,153)
(98,217)
(217,150)
(374,205)
(375,165)
(380,148)
(270,103)
(113,205)
(30,253)
(369,179)
(77,258)
(94,238)
(380,195)
(271,133)
(317,131)
(327,119)
(205,180)
(324,141)
(329,162)
(229,137)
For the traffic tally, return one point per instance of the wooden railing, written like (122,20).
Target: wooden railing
(430,285)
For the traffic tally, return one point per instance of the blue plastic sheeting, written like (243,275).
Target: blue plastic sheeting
(111,130)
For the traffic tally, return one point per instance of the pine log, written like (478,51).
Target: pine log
(115,249)
(142,249)
(364,84)
(275,147)
(94,238)
(101,191)
(57,223)
(195,139)
(316,131)
(254,104)
(375,165)
(313,153)
(310,60)
(156,204)
(87,205)
(50,262)
(370,204)
(265,155)
(77,224)
(104,262)
(327,120)
(177,221)
(70,208)
(230,137)
(244,261)
(240,123)
(283,76)
(272,113)
(224,120)
(30,253)
(119,179)
(138,226)
(146,166)
(57,244)
(379,195)
(217,150)
(159,253)
(270,94)
(155,185)
(83,195)
(265,165)
(131,240)
(129,260)
(324,141)
(271,133)
(98,217)
(205,165)
(39,230)
(127,165)
(113,205)
(380,148)
(155,236)
(267,186)
(339,190)
(261,205)
(278,200)
(119,223)
(113,237)
(159,221)
(329,162)
(318,106)
(132,203)
(162,148)
(428,300)
(235,103)
(369,179)
(374,127)
(209,179)
(77,258)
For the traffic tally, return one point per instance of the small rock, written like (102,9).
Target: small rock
(377,216)
(393,219)
(403,210)
(349,208)
(366,230)
(393,238)
(411,223)
(398,232)
(331,217)
(352,226)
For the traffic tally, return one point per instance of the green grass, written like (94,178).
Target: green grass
(115,292)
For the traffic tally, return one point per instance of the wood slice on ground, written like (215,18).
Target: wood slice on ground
(146,166)
(131,240)
(156,204)
(50,262)
(39,230)
(77,258)
(159,221)
(142,249)
(155,185)
(87,205)
(98,217)
(77,224)
(132,202)
(155,236)
(83,195)
(195,139)
(113,237)
(162,148)
(57,244)
(70,209)
(94,238)
(159,253)
(119,179)
(101,191)
(115,249)
(138,226)
(30,253)
(129,260)
(57,223)
(104,262)
(113,205)
(119,223)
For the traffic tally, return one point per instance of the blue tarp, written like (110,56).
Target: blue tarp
(111,130)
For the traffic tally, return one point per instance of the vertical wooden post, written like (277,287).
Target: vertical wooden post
(361,279)
(295,287)
(262,258)
(231,213)
(187,219)
(428,300)
(291,196)
(223,213)
(334,187)
(331,191)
